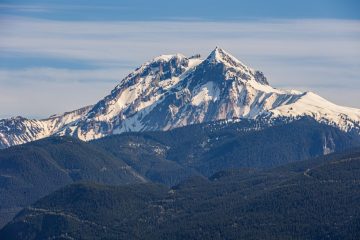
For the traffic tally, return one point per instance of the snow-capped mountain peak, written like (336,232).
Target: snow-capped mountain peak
(174,90)
(232,65)
(219,55)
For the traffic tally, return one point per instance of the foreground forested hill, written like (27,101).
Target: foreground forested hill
(317,199)
(33,170)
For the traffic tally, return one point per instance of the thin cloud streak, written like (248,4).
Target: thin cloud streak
(63,76)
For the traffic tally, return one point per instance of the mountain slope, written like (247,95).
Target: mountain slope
(173,91)
(315,199)
(29,171)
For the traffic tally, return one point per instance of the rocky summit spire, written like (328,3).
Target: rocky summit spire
(218,55)
(234,66)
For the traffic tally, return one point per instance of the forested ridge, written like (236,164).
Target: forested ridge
(314,199)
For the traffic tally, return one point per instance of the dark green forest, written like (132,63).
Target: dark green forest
(315,199)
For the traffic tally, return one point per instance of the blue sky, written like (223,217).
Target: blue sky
(57,56)
(138,10)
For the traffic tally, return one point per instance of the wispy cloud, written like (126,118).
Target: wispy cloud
(110,41)
(32,76)
(318,55)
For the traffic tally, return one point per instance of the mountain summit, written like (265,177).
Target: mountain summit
(172,91)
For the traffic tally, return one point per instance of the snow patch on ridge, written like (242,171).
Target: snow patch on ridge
(310,104)
(207,92)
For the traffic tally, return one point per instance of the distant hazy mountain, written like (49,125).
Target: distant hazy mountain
(173,91)
(317,199)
